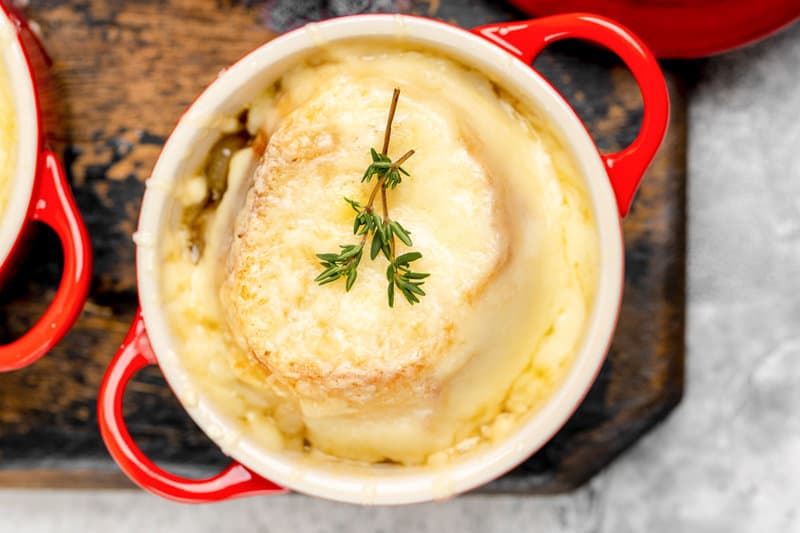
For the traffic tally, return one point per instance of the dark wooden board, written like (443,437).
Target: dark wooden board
(125,71)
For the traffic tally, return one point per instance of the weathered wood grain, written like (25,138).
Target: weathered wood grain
(124,71)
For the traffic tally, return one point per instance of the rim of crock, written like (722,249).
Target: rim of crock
(476,468)
(23,94)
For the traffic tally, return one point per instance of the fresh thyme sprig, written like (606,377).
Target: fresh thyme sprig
(383,230)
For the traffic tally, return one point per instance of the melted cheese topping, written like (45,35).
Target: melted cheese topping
(494,205)
(8,137)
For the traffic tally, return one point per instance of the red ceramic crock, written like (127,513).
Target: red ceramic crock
(42,186)
(684,28)
(616,176)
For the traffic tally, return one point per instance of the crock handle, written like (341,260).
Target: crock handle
(134,354)
(53,205)
(527,39)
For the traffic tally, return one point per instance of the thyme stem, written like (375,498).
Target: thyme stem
(387,133)
(384,231)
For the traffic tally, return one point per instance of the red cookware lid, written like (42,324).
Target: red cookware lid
(684,28)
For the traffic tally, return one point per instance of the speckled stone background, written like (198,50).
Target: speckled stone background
(725,461)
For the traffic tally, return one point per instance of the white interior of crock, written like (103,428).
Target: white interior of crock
(27,147)
(378,484)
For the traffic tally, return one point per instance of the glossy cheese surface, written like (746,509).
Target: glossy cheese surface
(494,205)
(8,137)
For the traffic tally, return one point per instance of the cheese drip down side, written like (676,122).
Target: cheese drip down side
(493,204)
(8,138)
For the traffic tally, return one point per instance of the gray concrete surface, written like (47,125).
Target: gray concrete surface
(726,461)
